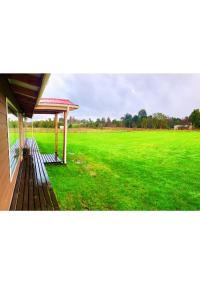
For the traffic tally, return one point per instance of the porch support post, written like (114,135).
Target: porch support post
(21,131)
(65,137)
(56,135)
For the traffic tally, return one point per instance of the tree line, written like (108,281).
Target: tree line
(140,120)
(49,123)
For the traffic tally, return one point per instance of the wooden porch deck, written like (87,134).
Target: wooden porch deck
(51,159)
(33,190)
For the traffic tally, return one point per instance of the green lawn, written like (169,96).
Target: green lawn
(13,138)
(138,170)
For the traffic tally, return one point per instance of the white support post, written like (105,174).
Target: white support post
(65,137)
(56,135)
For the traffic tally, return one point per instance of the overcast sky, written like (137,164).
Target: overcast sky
(113,95)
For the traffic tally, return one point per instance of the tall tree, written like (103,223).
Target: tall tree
(195,118)
(144,122)
(160,121)
(108,122)
(142,113)
(127,120)
(135,121)
(103,122)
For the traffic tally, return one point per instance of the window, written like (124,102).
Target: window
(13,136)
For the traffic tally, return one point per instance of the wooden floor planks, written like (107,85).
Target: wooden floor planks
(51,159)
(33,190)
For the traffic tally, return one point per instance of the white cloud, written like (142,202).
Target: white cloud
(116,94)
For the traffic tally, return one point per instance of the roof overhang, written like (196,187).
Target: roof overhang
(53,105)
(52,110)
(27,90)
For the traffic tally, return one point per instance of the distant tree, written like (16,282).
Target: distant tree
(144,122)
(61,122)
(135,121)
(159,121)
(155,123)
(142,113)
(103,122)
(108,122)
(98,123)
(117,123)
(114,123)
(195,118)
(185,121)
(159,116)
(149,122)
(127,120)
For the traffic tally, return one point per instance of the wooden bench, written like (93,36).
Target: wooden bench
(33,190)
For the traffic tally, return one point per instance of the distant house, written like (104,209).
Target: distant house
(183,127)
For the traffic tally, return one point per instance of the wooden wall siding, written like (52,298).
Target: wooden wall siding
(6,186)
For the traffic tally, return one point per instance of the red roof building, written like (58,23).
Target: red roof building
(54,105)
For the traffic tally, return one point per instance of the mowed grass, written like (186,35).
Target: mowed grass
(138,170)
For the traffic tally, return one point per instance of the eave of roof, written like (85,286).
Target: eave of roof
(27,89)
(54,105)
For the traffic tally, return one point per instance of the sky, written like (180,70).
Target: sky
(113,95)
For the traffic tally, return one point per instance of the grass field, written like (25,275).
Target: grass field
(139,170)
